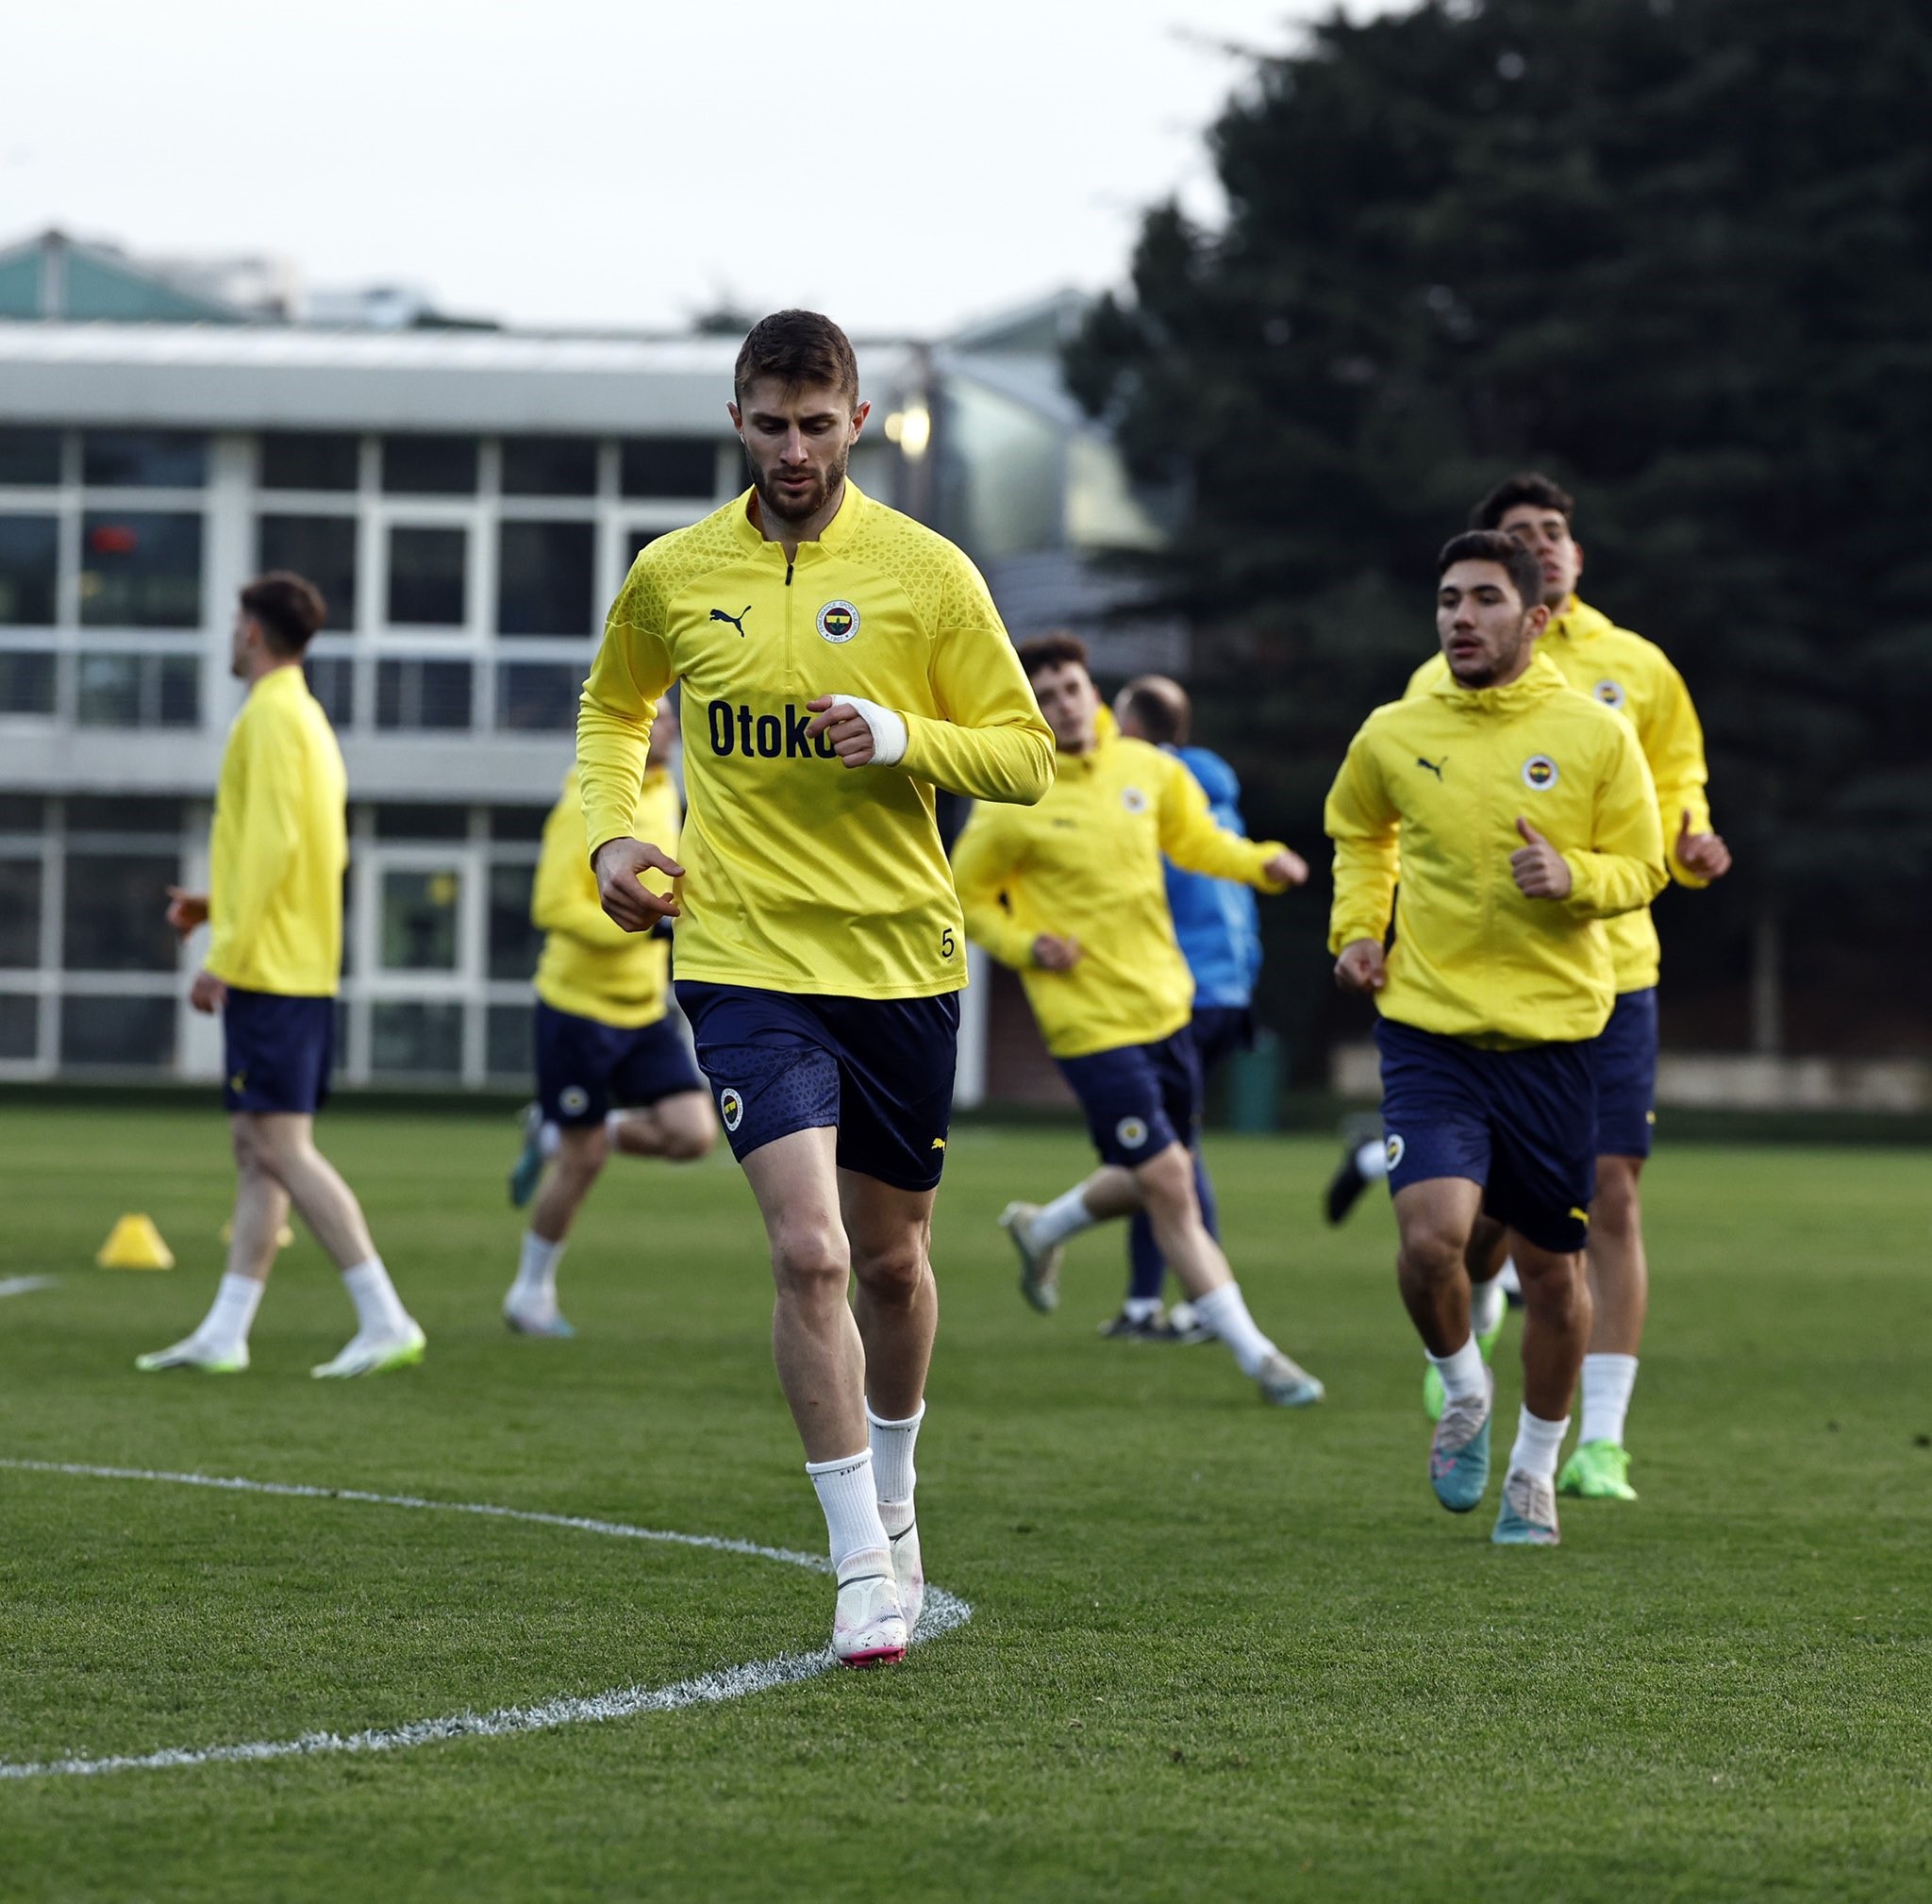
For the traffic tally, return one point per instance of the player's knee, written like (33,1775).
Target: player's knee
(1618,1207)
(894,1272)
(690,1131)
(1167,1185)
(810,1255)
(1432,1254)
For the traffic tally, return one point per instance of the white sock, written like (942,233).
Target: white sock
(1066,1215)
(852,1509)
(1141,1308)
(1538,1443)
(892,1474)
(1462,1372)
(224,1328)
(1607,1380)
(1507,1279)
(1224,1311)
(1371,1159)
(1486,1306)
(549,1140)
(535,1289)
(378,1309)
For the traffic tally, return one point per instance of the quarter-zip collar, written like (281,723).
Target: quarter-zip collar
(1107,735)
(832,539)
(1536,683)
(1577,621)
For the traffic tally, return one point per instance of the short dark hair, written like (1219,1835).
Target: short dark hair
(1493,545)
(799,348)
(1527,486)
(1159,707)
(1054,650)
(289,607)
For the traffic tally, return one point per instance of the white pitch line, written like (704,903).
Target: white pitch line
(19,1285)
(942,1612)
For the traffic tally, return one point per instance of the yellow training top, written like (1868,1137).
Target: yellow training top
(1086,863)
(1443,775)
(802,874)
(1625,672)
(591,967)
(279,846)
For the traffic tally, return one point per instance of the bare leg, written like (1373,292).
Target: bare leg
(284,1142)
(1619,1272)
(678,1129)
(1165,1188)
(261,1207)
(580,1153)
(1556,1296)
(1489,1250)
(1435,1219)
(896,1302)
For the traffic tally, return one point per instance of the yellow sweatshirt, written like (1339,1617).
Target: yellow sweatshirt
(1625,672)
(802,874)
(591,967)
(279,846)
(1443,775)
(1087,863)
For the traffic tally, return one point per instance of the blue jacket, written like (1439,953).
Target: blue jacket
(1216,921)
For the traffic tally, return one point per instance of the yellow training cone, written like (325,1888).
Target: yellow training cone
(284,1236)
(134,1243)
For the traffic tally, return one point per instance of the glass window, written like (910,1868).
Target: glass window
(29,563)
(419,920)
(423,694)
(416,1039)
(509,1041)
(429,465)
(113,912)
(544,577)
(321,547)
(19,1025)
(514,942)
(144,458)
(138,691)
(332,682)
(22,813)
(19,913)
(140,571)
(304,459)
(512,822)
(422,823)
(538,697)
(668,467)
(426,577)
(123,1032)
(549,466)
(123,814)
(30,457)
(26,682)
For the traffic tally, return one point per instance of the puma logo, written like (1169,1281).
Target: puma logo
(1434,766)
(737,620)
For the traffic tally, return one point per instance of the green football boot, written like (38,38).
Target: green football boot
(194,1353)
(1432,1382)
(1597,1471)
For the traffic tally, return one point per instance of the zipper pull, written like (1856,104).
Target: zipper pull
(788,574)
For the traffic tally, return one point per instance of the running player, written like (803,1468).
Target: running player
(1070,896)
(275,901)
(840,661)
(1218,927)
(1519,815)
(603,1039)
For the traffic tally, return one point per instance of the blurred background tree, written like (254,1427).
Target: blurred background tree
(1678,253)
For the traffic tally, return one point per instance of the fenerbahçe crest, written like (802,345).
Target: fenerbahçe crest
(1540,772)
(838,622)
(1611,694)
(730,1108)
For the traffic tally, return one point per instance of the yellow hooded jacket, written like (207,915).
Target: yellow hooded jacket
(1086,863)
(1443,777)
(801,874)
(1624,671)
(591,967)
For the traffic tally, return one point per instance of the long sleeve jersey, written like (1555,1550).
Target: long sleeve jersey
(802,874)
(279,846)
(591,966)
(1087,863)
(1433,786)
(1624,671)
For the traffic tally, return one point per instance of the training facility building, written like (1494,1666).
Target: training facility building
(469,500)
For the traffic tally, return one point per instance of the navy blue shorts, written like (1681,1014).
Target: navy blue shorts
(586,1069)
(1624,1061)
(1522,1123)
(277,1051)
(878,1070)
(1139,1098)
(1220,1031)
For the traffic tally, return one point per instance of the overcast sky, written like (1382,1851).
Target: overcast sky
(569,162)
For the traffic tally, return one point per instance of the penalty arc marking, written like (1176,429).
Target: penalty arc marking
(942,1612)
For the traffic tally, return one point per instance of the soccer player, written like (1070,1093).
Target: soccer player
(602,1037)
(274,902)
(840,661)
(1218,927)
(1519,815)
(1070,896)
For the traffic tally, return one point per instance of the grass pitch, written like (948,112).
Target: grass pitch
(1218,1651)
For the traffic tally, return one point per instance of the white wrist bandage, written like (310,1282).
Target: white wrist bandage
(888,730)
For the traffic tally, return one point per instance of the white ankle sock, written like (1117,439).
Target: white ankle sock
(1607,1380)
(1486,1306)
(1224,1312)
(378,1309)
(549,1140)
(1538,1443)
(534,1288)
(1141,1308)
(1462,1372)
(226,1327)
(852,1509)
(1065,1216)
(892,1474)
(1371,1159)
(1508,1281)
